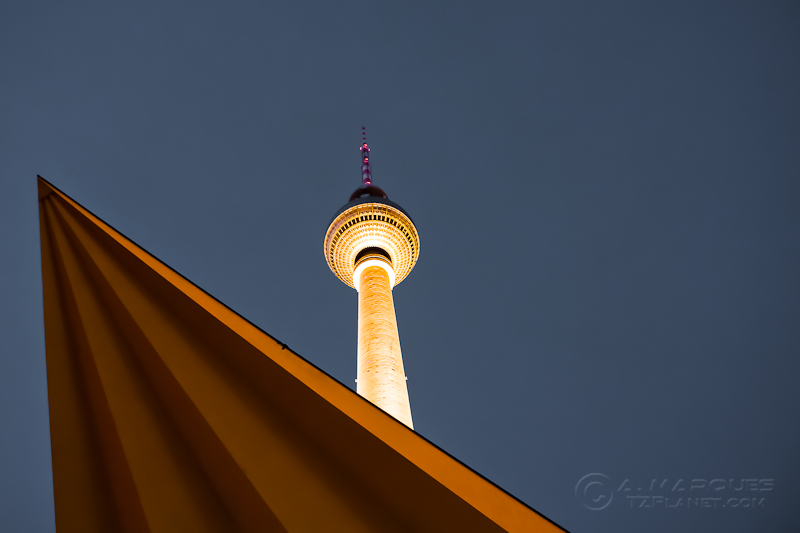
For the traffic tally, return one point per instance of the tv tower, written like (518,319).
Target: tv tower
(372,245)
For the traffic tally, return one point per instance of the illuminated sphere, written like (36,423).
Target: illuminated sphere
(371,226)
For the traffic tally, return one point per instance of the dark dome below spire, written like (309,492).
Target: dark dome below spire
(367,199)
(368,191)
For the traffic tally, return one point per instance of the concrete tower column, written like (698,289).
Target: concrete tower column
(381,377)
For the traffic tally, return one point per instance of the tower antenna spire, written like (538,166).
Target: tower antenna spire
(366,173)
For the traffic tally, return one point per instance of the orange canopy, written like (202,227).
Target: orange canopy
(170,412)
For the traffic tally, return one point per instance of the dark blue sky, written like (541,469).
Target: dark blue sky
(606,194)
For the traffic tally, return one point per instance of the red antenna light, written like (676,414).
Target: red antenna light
(366,173)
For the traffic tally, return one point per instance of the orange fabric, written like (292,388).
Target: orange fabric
(170,412)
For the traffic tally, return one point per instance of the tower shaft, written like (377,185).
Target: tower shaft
(381,377)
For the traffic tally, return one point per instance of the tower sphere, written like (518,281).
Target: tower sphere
(370,227)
